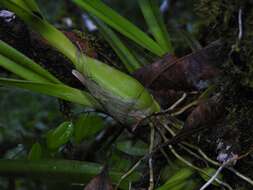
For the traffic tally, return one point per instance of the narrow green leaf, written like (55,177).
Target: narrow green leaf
(121,24)
(57,90)
(61,170)
(211,172)
(125,55)
(178,186)
(20,70)
(49,32)
(33,6)
(20,3)
(104,82)
(23,66)
(87,125)
(35,152)
(178,178)
(30,5)
(155,23)
(60,136)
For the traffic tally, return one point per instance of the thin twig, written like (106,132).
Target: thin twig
(192,153)
(168,129)
(176,103)
(174,152)
(163,112)
(165,155)
(205,157)
(151,146)
(182,110)
(240,24)
(199,169)
(176,139)
(130,186)
(226,163)
(180,145)
(247,179)
(128,172)
(212,178)
(237,173)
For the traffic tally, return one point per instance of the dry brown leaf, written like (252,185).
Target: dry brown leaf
(100,182)
(187,73)
(206,113)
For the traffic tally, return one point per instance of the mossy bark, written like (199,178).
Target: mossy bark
(232,22)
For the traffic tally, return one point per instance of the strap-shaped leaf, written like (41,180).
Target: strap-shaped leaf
(20,3)
(49,32)
(33,6)
(30,5)
(62,170)
(57,90)
(178,180)
(125,55)
(121,24)
(105,83)
(155,23)
(16,62)
(20,70)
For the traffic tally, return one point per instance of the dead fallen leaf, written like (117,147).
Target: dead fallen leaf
(100,182)
(206,113)
(190,72)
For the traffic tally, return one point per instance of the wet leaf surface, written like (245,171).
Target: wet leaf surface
(59,136)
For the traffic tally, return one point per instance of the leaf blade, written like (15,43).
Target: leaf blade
(125,55)
(18,61)
(57,90)
(155,23)
(121,24)
(60,135)
(20,71)
(46,30)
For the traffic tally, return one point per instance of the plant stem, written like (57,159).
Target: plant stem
(58,170)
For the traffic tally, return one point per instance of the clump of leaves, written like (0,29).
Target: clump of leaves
(118,96)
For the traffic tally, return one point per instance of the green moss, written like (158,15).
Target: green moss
(220,21)
(209,9)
